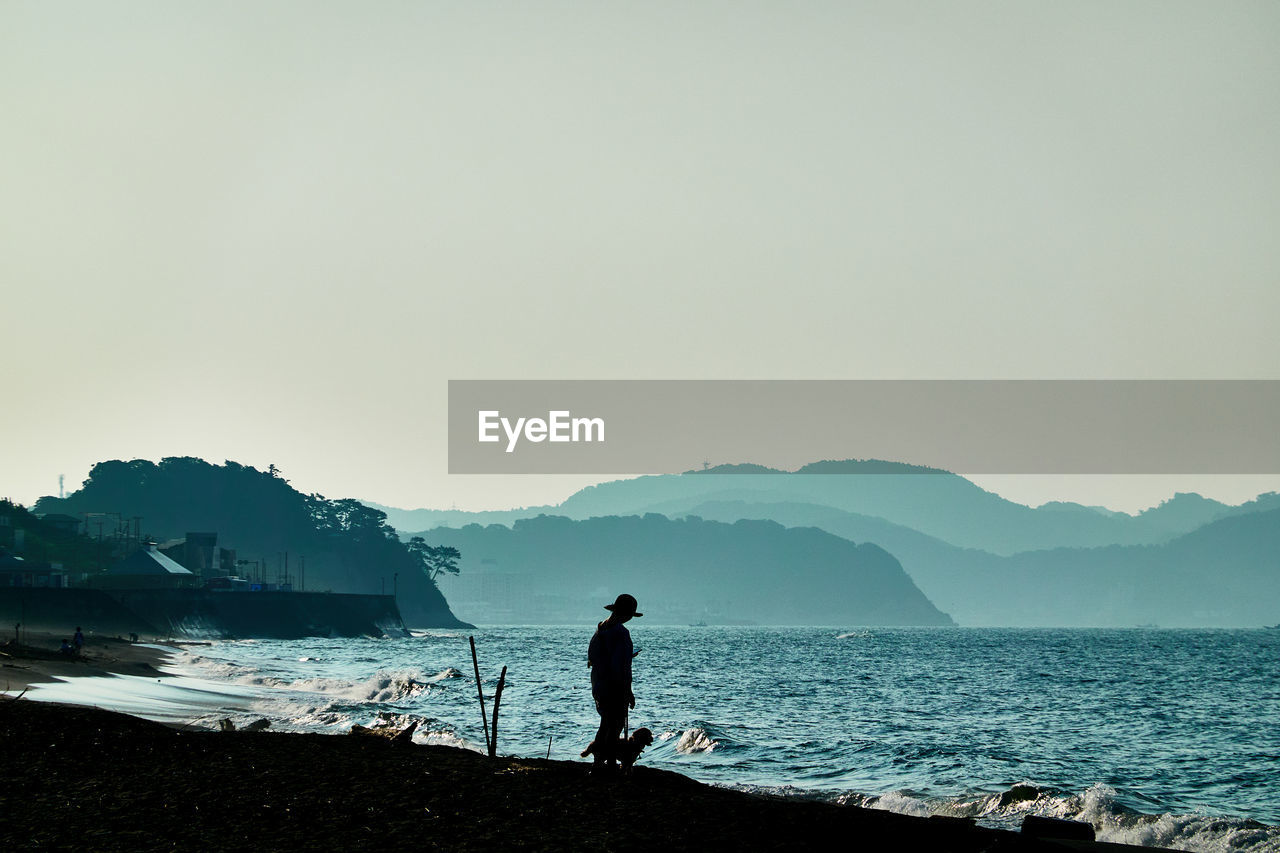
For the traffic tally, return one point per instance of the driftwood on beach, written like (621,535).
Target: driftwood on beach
(398,737)
(259,725)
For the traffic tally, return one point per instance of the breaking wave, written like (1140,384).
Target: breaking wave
(921,717)
(1097,806)
(699,738)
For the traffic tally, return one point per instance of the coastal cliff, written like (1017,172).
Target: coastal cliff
(276,532)
(553,569)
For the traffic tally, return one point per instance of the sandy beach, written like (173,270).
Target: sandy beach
(36,659)
(81,777)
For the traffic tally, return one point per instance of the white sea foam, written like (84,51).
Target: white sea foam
(429,731)
(694,740)
(1181,832)
(383,686)
(327,703)
(1096,806)
(446,738)
(173,699)
(902,802)
(189,662)
(1195,832)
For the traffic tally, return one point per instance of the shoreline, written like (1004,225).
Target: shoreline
(80,776)
(180,703)
(37,660)
(138,679)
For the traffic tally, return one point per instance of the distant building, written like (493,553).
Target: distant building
(62,521)
(15,571)
(230,584)
(199,552)
(146,568)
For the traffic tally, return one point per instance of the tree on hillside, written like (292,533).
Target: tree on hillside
(435,560)
(349,516)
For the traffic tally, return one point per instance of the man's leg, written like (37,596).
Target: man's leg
(613,716)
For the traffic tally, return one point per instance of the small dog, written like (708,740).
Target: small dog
(627,751)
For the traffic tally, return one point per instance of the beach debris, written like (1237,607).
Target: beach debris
(405,735)
(956,822)
(484,718)
(1019,794)
(490,737)
(497,700)
(227,725)
(1037,826)
(401,737)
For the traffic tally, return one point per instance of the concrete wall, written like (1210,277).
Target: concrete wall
(201,614)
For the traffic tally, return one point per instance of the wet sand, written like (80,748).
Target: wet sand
(37,660)
(74,777)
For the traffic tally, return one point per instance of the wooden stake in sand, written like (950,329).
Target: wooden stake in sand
(497,699)
(484,718)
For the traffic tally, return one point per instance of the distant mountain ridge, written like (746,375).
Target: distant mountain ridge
(975,555)
(1225,573)
(555,569)
(934,502)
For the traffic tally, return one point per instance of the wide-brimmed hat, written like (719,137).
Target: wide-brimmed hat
(626,604)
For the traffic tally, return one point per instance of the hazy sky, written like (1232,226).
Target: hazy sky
(271,232)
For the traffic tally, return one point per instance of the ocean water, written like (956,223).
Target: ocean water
(1157,737)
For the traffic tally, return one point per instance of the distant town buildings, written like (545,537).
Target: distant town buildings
(146,568)
(15,571)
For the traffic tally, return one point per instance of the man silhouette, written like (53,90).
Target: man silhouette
(609,658)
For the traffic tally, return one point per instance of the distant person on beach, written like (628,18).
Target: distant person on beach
(78,641)
(609,658)
(67,650)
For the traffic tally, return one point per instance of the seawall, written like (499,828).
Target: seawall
(201,614)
